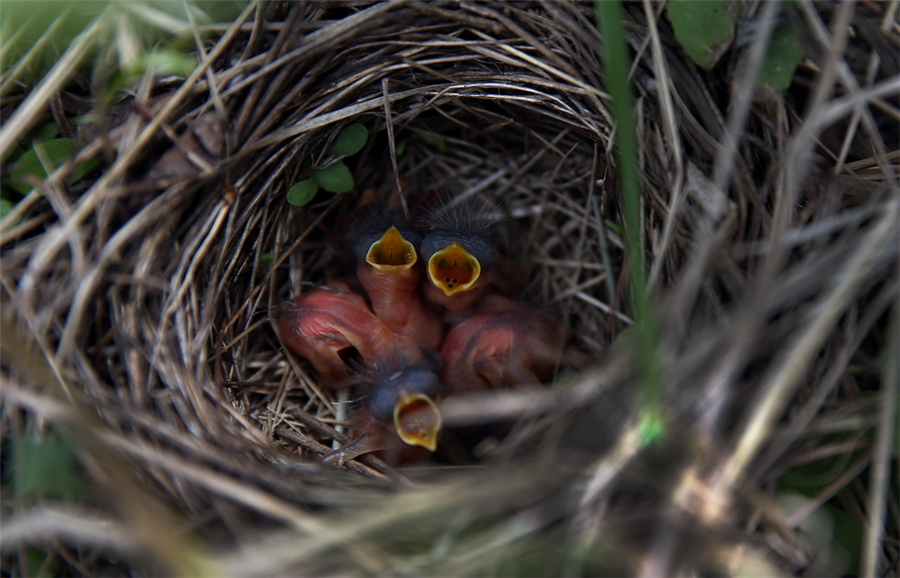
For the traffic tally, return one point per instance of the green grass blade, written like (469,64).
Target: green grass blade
(616,60)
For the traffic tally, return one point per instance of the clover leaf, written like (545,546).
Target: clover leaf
(335,178)
(303,192)
(350,141)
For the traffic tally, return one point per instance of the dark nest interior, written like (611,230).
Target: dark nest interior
(137,301)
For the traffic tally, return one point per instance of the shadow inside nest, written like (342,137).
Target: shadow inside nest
(540,241)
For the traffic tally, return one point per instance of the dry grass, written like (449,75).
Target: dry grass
(135,306)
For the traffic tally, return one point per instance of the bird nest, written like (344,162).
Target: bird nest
(137,302)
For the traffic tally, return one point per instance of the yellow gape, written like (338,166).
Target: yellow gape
(392,251)
(417,420)
(453,269)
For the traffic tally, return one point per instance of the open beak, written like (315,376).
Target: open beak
(417,420)
(392,252)
(453,269)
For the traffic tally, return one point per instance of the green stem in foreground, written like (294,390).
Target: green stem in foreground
(609,21)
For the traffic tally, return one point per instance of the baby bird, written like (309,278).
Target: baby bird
(504,344)
(460,255)
(399,418)
(389,269)
(348,346)
(333,328)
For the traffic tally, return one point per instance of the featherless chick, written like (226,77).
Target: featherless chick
(460,255)
(503,344)
(390,271)
(348,346)
(398,417)
(334,329)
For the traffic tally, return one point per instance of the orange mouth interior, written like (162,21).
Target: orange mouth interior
(453,269)
(417,420)
(392,251)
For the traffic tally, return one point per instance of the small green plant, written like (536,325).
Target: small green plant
(45,157)
(782,57)
(334,177)
(829,527)
(706,28)
(162,62)
(38,563)
(435,141)
(45,468)
(429,139)
(45,154)
(6,206)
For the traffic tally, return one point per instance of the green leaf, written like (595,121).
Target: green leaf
(45,133)
(435,141)
(652,427)
(335,178)
(705,28)
(6,206)
(350,141)
(846,545)
(45,468)
(302,192)
(783,55)
(401,147)
(39,564)
(83,168)
(161,62)
(614,227)
(56,152)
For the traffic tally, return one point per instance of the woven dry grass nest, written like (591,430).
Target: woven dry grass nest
(137,302)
